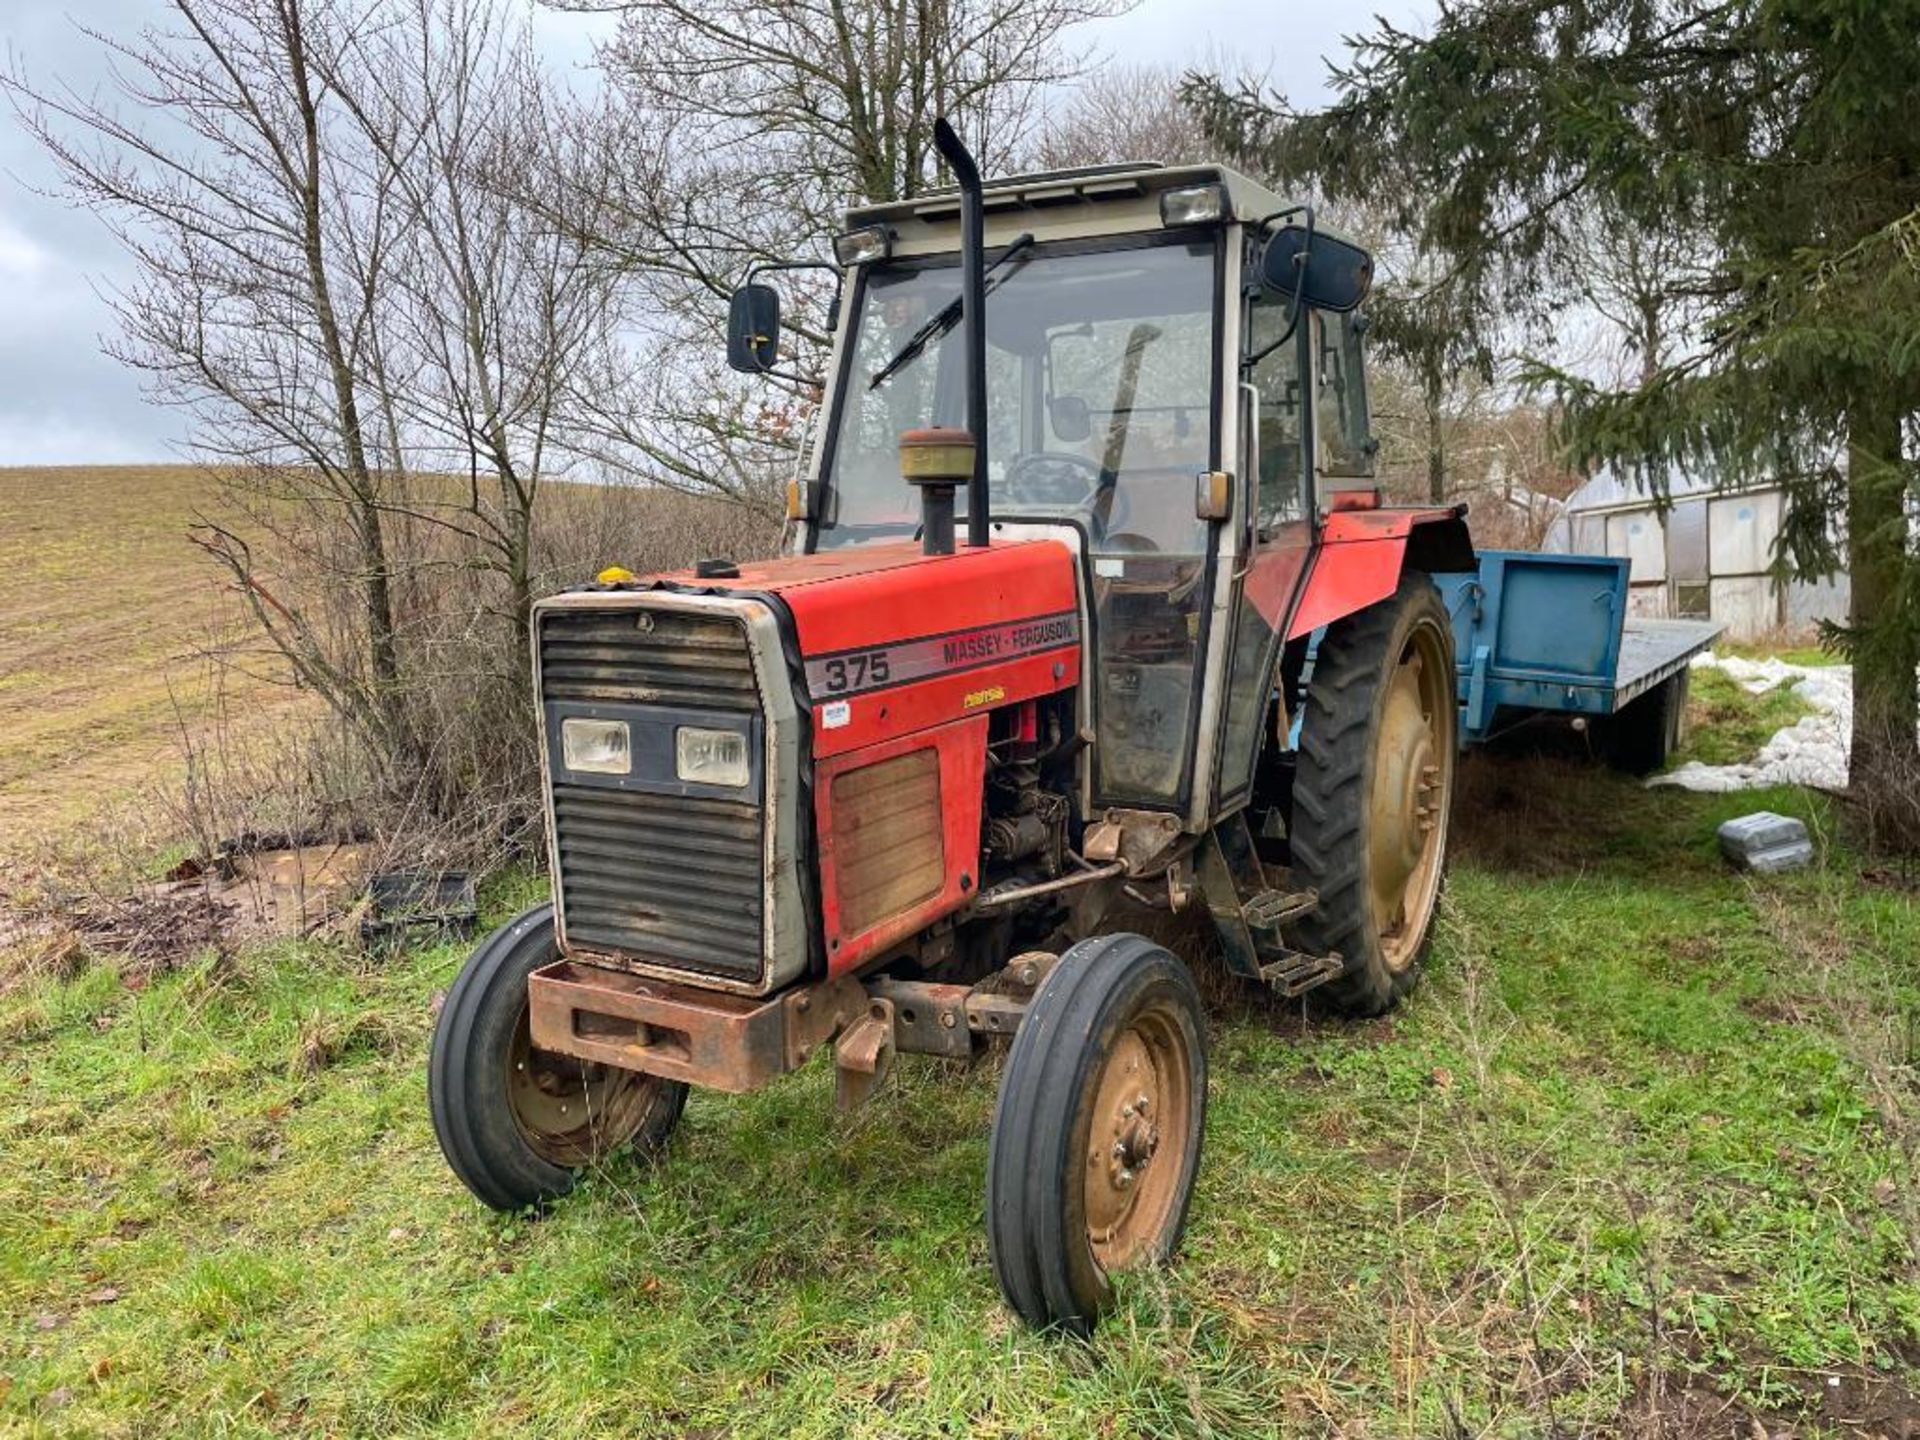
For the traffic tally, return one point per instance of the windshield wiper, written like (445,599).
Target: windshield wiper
(943,320)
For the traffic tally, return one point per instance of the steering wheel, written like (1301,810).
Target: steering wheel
(1053,478)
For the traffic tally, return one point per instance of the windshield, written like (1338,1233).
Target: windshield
(1099,394)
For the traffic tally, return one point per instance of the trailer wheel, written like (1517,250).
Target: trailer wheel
(518,1124)
(1373,790)
(1641,738)
(1096,1134)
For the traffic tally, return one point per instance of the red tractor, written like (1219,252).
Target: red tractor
(887,792)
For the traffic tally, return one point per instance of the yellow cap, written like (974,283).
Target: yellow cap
(615,575)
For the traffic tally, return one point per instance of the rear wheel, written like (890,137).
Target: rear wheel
(1642,737)
(1373,791)
(518,1123)
(1096,1135)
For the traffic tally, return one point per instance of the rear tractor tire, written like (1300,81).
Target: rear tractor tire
(1097,1131)
(518,1124)
(1373,792)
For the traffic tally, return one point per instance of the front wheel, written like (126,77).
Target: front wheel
(516,1123)
(1373,791)
(1096,1134)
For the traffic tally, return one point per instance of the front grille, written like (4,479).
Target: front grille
(663,879)
(694,661)
(670,880)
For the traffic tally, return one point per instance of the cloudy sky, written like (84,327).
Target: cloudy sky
(63,402)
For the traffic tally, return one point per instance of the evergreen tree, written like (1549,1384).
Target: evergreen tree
(1781,138)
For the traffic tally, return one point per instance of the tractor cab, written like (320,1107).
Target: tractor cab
(1173,383)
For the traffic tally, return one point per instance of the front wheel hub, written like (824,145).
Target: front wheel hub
(1144,1087)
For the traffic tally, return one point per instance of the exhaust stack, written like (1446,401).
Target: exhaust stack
(939,461)
(973,316)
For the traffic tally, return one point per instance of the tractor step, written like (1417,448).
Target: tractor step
(1285,970)
(1270,909)
(1294,973)
(1251,916)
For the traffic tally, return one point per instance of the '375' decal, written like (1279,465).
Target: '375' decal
(849,672)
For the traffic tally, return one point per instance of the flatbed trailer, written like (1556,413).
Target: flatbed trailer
(1539,634)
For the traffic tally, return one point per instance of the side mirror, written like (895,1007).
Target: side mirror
(753,329)
(1068,416)
(1329,273)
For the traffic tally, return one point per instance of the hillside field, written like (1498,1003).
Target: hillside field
(106,610)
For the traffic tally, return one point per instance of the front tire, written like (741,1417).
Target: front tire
(1097,1131)
(518,1124)
(1373,792)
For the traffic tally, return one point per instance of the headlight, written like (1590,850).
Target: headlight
(597,747)
(710,757)
(1197,205)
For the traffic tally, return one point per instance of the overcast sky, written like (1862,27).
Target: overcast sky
(63,402)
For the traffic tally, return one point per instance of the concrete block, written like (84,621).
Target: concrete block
(1766,843)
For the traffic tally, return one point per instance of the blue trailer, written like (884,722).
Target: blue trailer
(1549,634)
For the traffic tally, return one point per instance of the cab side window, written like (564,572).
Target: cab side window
(1340,433)
(1275,377)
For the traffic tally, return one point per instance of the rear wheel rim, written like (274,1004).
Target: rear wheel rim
(1411,796)
(571,1112)
(1139,1139)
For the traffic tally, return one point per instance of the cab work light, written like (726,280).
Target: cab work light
(859,247)
(1195,205)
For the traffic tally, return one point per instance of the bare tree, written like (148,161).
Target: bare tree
(252,302)
(733,134)
(1644,287)
(493,323)
(382,350)
(1123,112)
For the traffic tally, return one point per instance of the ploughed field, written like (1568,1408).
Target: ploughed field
(1637,1159)
(106,610)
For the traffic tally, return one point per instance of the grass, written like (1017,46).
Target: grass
(1788,646)
(107,611)
(1728,724)
(1618,1164)
(1639,1155)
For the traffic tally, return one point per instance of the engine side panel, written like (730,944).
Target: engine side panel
(899,828)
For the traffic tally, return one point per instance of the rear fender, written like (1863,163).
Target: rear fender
(1362,553)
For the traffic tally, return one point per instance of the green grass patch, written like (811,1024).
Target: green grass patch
(1618,1154)
(1728,724)
(1799,654)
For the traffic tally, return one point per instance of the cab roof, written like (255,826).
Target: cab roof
(1054,204)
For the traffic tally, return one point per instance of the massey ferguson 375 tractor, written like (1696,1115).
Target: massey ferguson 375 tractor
(895,790)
